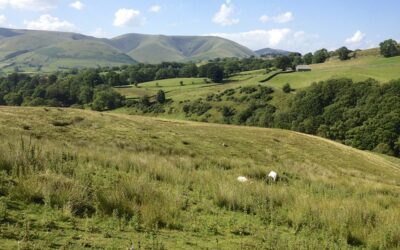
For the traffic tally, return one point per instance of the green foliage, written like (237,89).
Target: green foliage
(215,73)
(308,58)
(286,88)
(198,107)
(364,115)
(320,56)
(189,70)
(283,62)
(343,53)
(389,48)
(106,99)
(160,97)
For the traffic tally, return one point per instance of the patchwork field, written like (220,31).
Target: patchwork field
(362,68)
(77,179)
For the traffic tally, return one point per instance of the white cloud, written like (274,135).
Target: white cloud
(224,15)
(33,5)
(257,39)
(284,17)
(48,22)
(264,18)
(128,17)
(356,38)
(77,5)
(155,8)
(299,34)
(3,19)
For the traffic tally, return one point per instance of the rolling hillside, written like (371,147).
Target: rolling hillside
(30,50)
(271,52)
(80,179)
(158,48)
(367,64)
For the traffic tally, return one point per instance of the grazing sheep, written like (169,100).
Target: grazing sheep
(242,179)
(273,175)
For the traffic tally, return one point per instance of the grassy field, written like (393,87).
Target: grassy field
(75,179)
(366,65)
(362,68)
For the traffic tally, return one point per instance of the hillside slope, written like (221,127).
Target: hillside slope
(74,178)
(158,48)
(271,52)
(368,64)
(31,50)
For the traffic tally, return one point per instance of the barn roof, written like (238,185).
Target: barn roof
(303,67)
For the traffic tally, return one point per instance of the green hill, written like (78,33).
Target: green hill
(367,64)
(30,50)
(271,52)
(158,48)
(79,179)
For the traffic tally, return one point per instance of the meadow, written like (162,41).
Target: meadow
(76,179)
(365,66)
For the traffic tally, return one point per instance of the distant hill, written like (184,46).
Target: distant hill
(157,48)
(31,50)
(271,52)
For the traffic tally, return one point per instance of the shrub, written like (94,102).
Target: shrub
(286,88)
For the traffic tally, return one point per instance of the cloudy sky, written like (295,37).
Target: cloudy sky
(294,25)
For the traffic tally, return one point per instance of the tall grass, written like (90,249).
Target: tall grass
(142,190)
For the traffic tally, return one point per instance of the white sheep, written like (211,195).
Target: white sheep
(273,175)
(242,179)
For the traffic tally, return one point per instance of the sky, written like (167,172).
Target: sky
(294,25)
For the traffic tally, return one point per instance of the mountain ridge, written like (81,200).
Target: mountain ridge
(34,50)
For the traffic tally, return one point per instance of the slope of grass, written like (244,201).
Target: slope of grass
(159,48)
(79,179)
(361,68)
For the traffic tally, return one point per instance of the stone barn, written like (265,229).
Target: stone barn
(302,68)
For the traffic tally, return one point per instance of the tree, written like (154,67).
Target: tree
(389,48)
(295,58)
(308,58)
(160,97)
(231,68)
(283,62)
(85,95)
(215,73)
(13,99)
(189,70)
(320,56)
(113,79)
(105,99)
(286,88)
(343,53)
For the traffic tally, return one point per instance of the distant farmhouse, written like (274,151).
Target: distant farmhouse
(302,68)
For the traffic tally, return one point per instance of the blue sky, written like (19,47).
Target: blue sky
(286,24)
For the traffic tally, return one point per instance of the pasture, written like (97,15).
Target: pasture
(79,179)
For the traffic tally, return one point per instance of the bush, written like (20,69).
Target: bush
(197,107)
(389,48)
(160,97)
(107,99)
(286,88)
